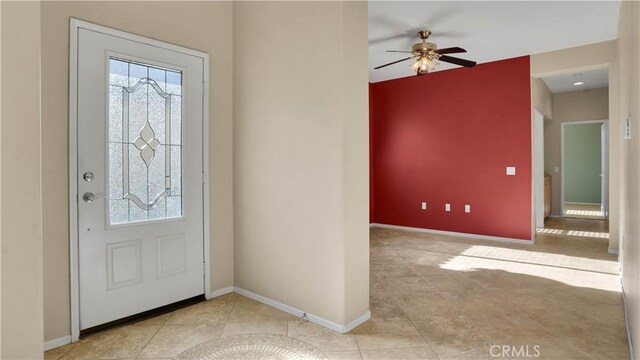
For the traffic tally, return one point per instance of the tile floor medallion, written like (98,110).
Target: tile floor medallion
(431,297)
(253,346)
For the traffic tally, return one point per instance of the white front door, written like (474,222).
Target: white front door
(140,176)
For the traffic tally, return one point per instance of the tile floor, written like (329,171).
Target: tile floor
(432,297)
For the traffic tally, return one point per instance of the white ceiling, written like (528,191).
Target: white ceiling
(564,83)
(488,30)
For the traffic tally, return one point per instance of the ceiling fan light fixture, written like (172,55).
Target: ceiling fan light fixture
(425,64)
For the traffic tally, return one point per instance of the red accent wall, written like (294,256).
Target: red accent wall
(447,137)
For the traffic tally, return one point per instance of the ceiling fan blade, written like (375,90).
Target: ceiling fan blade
(391,63)
(399,51)
(457,61)
(451,50)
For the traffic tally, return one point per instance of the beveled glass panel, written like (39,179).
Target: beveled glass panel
(159,76)
(176,170)
(157,114)
(119,211)
(144,169)
(136,214)
(156,173)
(176,120)
(116,190)
(138,182)
(116,97)
(159,211)
(174,206)
(137,112)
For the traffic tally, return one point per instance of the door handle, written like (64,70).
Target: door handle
(90,197)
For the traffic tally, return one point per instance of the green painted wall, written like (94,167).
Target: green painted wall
(582,163)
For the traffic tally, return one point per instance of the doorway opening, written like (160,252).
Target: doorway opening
(584,165)
(572,191)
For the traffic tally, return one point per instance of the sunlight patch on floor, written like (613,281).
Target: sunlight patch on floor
(580,233)
(584,212)
(570,270)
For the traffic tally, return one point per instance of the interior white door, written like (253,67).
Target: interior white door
(140,185)
(604,176)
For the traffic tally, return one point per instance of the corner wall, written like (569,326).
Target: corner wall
(301,155)
(22,324)
(629,57)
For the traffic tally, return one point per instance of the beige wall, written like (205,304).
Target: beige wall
(568,107)
(21,234)
(301,155)
(583,58)
(205,26)
(629,55)
(542,98)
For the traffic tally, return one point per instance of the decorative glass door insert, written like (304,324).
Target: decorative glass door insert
(145,144)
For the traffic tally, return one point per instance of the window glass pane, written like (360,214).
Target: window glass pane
(174,82)
(145,171)
(118,72)
(136,72)
(159,76)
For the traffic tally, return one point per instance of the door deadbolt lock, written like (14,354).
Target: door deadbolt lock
(88,176)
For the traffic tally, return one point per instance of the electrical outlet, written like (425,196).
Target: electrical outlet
(467,208)
(447,207)
(511,170)
(424,205)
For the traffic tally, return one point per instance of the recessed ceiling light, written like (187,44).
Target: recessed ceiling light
(578,83)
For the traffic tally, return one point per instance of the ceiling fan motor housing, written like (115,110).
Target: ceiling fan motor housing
(423,48)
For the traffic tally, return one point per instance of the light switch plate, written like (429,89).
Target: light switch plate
(424,205)
(447,207)
(467,208)
(556,169)
(511,170)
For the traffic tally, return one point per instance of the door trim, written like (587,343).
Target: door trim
(74,26)
(562,127)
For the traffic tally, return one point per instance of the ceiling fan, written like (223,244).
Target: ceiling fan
(426,55)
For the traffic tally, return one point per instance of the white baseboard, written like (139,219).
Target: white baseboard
(613,251)
(626,322)
(458,234)
(52,344)
(299,313)
(219,292)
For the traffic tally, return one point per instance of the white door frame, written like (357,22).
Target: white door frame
(562,125)
(75,26)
